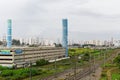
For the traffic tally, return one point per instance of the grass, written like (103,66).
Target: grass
(116,76)
(103,78)
(112,70)
(19,73)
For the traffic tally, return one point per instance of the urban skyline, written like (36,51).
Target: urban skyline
(88,19)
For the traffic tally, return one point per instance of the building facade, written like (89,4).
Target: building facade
(30,55)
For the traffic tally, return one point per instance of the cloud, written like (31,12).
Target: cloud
(43,17)
(97,9)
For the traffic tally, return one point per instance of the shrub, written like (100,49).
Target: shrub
(7,73)
(1,78)
(103,75)
(3,68)
(117,61)
(66,64)
(41,62)
(86,57)
(108,65)
(19,74)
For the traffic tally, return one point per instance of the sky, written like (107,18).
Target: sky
(87,19)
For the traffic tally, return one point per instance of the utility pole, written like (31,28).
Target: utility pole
(94,62)
(90,65)
(104,59)
(30,71)
(55,68)
(75,67)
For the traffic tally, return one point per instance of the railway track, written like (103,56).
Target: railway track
(86,71)
(57,74)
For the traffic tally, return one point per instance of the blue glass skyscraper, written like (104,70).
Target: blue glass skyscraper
(65,36)
(9,34)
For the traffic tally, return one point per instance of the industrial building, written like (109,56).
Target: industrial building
(24,56)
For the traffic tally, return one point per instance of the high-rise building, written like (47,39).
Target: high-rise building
(9,34)
(65,35)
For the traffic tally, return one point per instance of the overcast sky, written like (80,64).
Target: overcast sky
(88,19)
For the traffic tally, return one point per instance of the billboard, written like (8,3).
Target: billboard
(18,51)
(4,51)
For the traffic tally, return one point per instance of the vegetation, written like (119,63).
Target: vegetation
(3,68)
(86,57)
(33,45)
(1,43)
(117,61)
(42,62)
(17,74)
(58,45)
(79,51)
(116,76)
(111,71)
(16,42)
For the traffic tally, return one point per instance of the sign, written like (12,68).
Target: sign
(4,51)
(18,51)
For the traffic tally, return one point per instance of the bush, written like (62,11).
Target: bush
(19,74)
(33,45)
(7,73)
(103,75)
(1,78)
(86,57)
(3,68)
(117,61)
(81,62)
(66,64)
(109,65)
(42,62)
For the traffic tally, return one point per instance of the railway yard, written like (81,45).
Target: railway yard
(86,72)
(86,65)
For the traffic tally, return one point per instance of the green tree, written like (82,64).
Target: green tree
(33,45)
(58,45)
(86,57)
(1,43)
(71,52)
(15,42)
(42,62)
(79,51)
